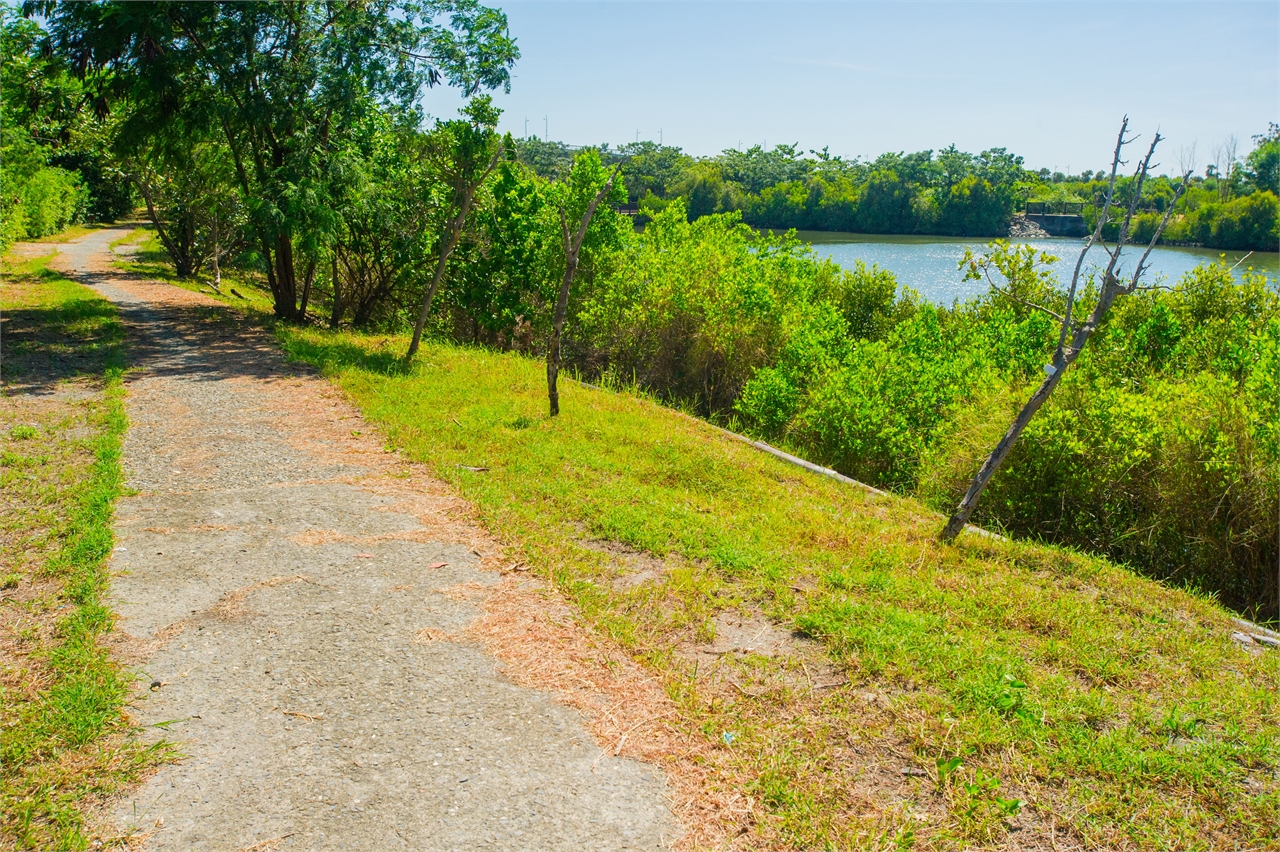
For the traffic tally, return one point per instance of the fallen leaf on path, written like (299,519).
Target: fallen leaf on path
(306,716)
(364,556)
(437,564)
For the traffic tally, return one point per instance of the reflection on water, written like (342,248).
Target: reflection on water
(928,264)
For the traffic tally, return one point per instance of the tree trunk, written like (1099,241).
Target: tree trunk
(1065,355)
(455,229)
(572,249)
(961,517)
(1062,359)
(181,260)
(307,281)
(336,316)
(557,327)
(285,286)
(217,270)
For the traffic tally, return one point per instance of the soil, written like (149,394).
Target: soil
(283,585)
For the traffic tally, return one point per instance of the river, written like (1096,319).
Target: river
(928,264)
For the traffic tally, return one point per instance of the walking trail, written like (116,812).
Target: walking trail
(279,583)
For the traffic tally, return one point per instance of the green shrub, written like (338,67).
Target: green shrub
(52,199)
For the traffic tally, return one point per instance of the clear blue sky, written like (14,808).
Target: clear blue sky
(1049,81)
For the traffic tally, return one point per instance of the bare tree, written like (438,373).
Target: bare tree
(1224,161)
(1187,163)
(1073,335)
(572,246)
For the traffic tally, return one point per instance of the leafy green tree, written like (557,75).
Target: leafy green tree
(577,199)
(41,117)
(463,153)
(1262,165)
(654,169)
(886,205)
(284,83)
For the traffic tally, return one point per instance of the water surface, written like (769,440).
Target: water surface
(928,264)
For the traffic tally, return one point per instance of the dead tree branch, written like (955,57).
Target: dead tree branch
(1072,337)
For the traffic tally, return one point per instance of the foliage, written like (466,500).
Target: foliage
(1237,210)
(39,124)
(284,85)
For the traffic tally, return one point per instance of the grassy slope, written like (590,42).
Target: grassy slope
(63,736)
(1116,708)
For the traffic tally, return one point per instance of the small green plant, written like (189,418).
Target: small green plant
(1179,725)
(946,768)
(1010,700)
(1009,807)
(10,581)
(982,784)
(24,432)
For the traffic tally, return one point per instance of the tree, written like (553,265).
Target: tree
(1065,354)
(579,203)
(1263,162)
(284,83)
(464,152)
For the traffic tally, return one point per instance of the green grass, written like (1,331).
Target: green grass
(1022,686)
(64,741)
(1117,709)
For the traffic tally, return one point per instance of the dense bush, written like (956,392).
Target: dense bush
(41,203)
(1159,450)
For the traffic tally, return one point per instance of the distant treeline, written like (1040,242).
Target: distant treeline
(949,192)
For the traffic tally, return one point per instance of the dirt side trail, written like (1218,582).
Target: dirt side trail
(274,576)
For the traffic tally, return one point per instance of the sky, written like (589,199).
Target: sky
(1048,81)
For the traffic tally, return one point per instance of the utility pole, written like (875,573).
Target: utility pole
(546,137)
(659,137)
(637,135)
(526,127)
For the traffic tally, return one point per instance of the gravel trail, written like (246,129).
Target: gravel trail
(276,576)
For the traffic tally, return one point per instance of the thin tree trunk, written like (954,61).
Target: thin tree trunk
(455,231)
(307,281)
(336,316)
(217,270)
(970,502)
(181,261)
(557,322)
(572,248)
(286,286)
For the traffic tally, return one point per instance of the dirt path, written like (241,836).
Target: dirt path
(274,574)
